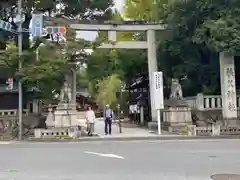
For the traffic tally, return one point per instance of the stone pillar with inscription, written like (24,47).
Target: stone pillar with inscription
(228,87)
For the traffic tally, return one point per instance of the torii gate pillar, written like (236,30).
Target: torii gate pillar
(152,67)
(127,26)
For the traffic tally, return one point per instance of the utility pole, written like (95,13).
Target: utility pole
(20,94)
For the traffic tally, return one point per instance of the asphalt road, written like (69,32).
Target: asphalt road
(155,160)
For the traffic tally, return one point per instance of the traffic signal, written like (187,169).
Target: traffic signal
(55,30)
(5,25)
(9,83)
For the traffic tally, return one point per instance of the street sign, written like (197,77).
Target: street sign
(37,25)
(158,90)
(55,30)
(158,97)
(5,25)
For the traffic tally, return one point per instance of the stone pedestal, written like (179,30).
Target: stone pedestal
(177,114)
(72,132)
(65,119)
(65,116)
(61,124)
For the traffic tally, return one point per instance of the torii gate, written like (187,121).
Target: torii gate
(128,26)
(227,71)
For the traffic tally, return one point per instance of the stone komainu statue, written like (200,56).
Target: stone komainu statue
(66,93)
(176,90)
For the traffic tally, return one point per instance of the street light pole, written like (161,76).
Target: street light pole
(20,94)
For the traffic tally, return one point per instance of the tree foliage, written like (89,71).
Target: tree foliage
(46,73)
(196,32)
(122,62)
(204,28)
(143,10)
(55,59)
(107,89)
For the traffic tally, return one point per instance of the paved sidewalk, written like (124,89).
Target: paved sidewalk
(131,132)
(128,130)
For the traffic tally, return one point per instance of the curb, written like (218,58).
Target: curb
(131,138)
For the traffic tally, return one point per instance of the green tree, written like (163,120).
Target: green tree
(126,63)
(143,10)
(107,90)
(188,49)
(96,9)
(181,54)
(44,73)
(82,79)
(55,58)
(204,28)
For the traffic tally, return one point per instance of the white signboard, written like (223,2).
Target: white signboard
(37,25)
(158,90)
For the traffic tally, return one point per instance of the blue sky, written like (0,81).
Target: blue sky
(92,35)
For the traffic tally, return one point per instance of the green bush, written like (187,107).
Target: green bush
(184,131)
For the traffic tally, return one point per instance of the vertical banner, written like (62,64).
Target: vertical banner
(158,90)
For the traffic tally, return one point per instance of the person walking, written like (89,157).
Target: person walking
(108,117)
(90,117)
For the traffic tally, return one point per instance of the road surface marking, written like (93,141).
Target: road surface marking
(104,155)
(3,143)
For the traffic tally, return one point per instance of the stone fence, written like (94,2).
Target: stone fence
(203,113)
(207,102)
(213,130)
(12,112)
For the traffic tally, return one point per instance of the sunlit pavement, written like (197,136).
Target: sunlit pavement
(141,160)
(130,131)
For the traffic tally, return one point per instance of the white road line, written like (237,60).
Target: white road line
(5,142)
(105,155)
